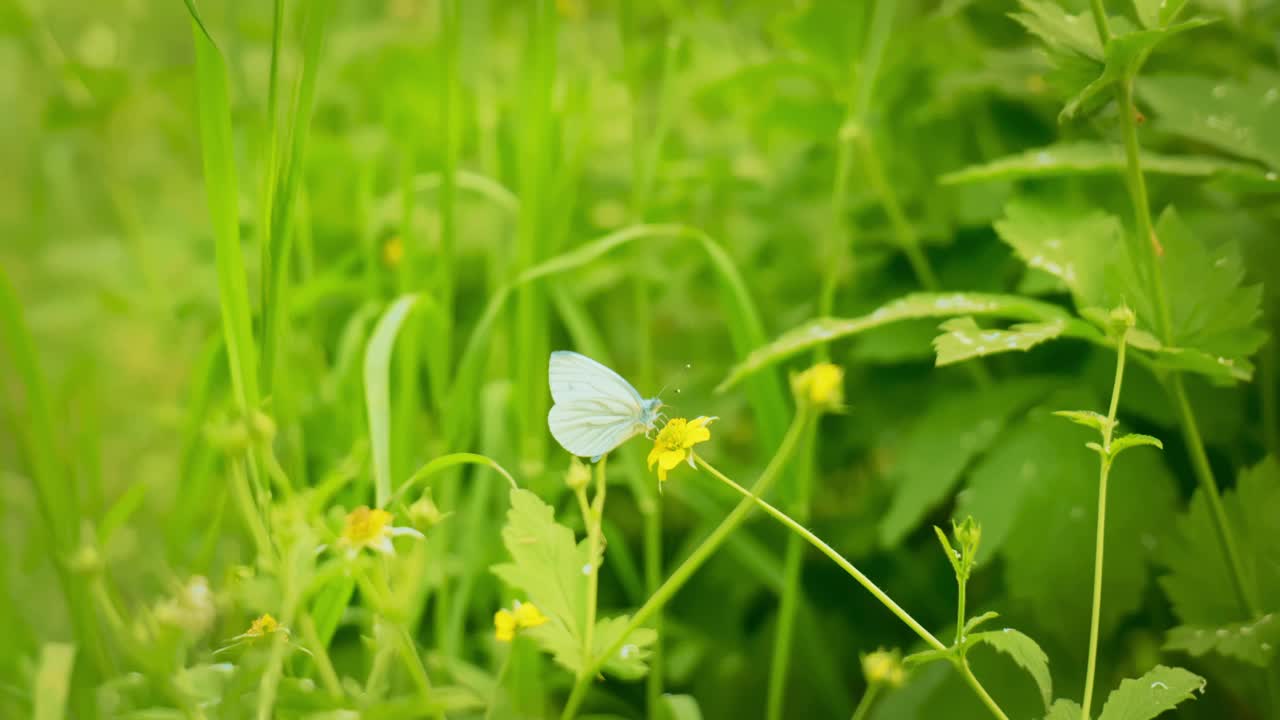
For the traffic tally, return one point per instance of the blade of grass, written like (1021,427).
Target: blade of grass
(53,680)
(377,365)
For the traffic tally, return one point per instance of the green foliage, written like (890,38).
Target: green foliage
(1064,710)
(1157,691)
(551,569)
(1196,560)
(1241,118)
(1084,157)
(1025,652)
(53,681)
(962,339)
(1253,642)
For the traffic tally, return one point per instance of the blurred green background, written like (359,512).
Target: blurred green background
(454,145)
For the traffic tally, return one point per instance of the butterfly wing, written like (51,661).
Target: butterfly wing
(596,410)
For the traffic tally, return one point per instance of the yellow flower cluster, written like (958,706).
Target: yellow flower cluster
(372,529)
(523,616)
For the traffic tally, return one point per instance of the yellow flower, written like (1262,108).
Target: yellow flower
(675,443)
(524,616)
(821,386)
(393,251)
(366,528)
(883,667)
(263,625)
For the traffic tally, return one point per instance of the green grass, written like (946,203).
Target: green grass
(270,263)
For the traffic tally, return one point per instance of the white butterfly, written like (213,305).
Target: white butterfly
(596,410)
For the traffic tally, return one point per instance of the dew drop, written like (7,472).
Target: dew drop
(1158,684)
(627,651)
(586,569)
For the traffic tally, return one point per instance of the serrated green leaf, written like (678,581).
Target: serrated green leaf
(1059,29)
(1253,642)
(1221,316)
(1025,652)
(546,564)
(963,339)
(1124,442)
(976,621)
(923,471)
(1196,560)
(1240,118)
(1070,245)
(1159,690)
(1088,418)
(1095,158)
(1064,710)
(629,663)
(916,305)
(1149,12)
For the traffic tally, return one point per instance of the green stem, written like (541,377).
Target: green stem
(830,552)
(593,520)
(1200,463)
(904,233)
(691,564)
(1100,541)
(497,683)
(1146,239)
(320,654)
(962,584)
(980,691)
(864,705)
(1101,22)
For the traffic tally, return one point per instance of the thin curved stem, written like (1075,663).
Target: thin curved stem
(691,564)
(831,553)
(1100,542)
(981,691)
(864,705)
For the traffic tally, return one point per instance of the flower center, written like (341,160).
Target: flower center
(365,525)
(672,436)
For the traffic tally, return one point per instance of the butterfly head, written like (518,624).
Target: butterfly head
(651,412)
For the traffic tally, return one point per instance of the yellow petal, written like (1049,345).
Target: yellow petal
(504,625)
(528,615)
(654,454)
(670,459)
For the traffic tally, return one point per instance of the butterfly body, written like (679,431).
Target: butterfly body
(595,410)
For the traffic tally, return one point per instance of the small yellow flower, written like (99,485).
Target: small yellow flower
(675,443)
(393,251)
(366,528)
(263,625)
(883,667)
(821,386)
(523,616)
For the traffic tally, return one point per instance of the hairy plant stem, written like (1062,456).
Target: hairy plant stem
(1100,542)
(593,517)
(691,564)
(863,580)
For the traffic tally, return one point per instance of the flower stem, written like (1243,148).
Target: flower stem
(691,564)
(1100,542)
(593,520)
(864,705)
(981,691)
(497,683)
(830,552)
(863,580)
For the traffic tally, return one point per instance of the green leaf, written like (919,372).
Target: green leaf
(1072,245)
(1240,118)
(1124,442)
(681,707)
(1221,316)
(923,469)
(1095,158)
(1253,642)
(1064,710)
(1059,29)
(629,663)
(1025,652)
(974,622)
(964,340)
(1088,418)
(377,383)
(916,305)
(52,681)
(1196,560)
(547,565)
(1159,690)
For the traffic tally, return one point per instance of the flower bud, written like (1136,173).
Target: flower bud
(821,387)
